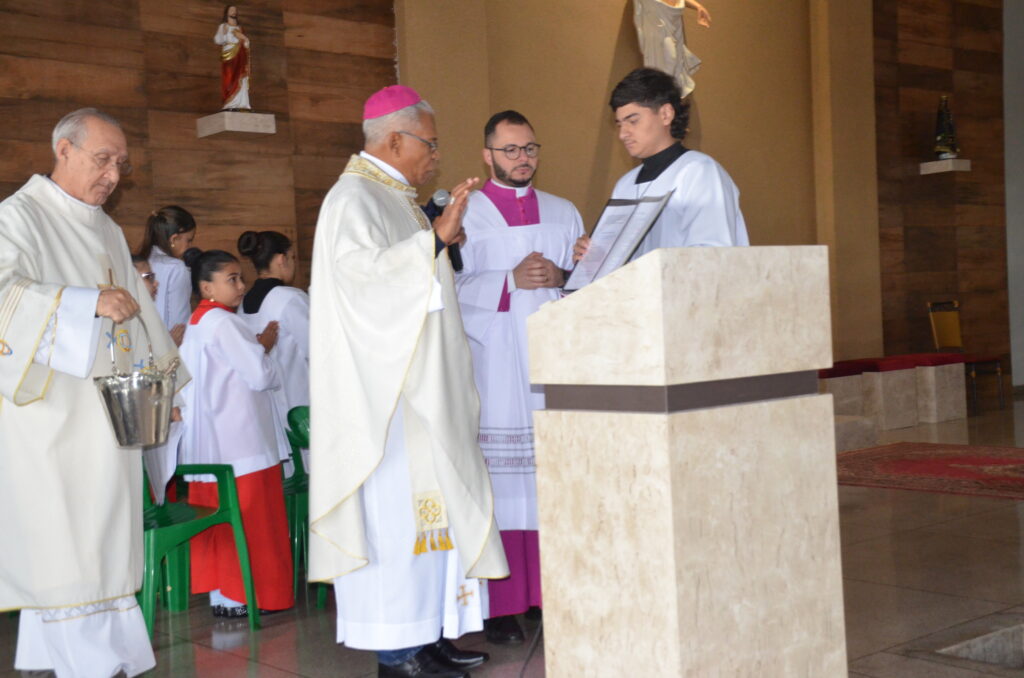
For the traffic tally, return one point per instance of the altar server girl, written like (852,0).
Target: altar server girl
(230,417)
(170,231)
(272,298)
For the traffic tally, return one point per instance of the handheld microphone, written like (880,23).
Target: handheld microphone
(433,210)
(435,206)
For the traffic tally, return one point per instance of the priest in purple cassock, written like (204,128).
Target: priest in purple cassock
(518,245)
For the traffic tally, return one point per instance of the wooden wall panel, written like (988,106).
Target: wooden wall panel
(312,136)
(47,38)
(30,78)
(943,235)
(153,65)
(20,159)
(359,11)
(88,15)
(321,33)
(338,54)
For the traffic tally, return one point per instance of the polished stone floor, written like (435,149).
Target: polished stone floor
(919,569)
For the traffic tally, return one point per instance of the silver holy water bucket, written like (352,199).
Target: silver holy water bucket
(138,404)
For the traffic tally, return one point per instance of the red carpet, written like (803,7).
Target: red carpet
(978,470)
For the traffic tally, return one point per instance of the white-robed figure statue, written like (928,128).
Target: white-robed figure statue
(518,245)
(72,500)
(401,510)
(704,209)
(662,37)
(235,62)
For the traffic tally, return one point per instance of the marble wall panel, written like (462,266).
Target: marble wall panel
(890,398)
(847,393)
(941,393)
(688,545)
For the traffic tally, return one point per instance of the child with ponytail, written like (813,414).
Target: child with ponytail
(170,231)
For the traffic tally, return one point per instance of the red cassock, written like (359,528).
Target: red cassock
(214,558)
(232,70)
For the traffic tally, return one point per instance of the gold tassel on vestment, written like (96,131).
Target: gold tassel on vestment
(436,540)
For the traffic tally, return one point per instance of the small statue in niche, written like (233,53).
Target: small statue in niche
(234,62)
(659,29)
(945,132)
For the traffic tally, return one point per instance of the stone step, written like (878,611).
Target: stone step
(853,432)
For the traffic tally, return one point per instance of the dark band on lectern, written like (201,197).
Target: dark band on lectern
(680,397)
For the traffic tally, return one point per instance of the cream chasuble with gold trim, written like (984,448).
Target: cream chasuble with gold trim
(72,533)
(372,343)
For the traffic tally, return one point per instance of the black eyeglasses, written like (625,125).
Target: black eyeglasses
(512,152)
(431,144)
(148,276)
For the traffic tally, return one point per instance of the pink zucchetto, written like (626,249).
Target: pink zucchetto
(389,100)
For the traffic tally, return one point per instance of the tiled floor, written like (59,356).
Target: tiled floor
(917,567)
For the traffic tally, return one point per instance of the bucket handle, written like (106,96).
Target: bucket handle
(149,345)
(149,342)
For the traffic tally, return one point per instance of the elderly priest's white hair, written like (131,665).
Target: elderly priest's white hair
(72,125)
(375,129)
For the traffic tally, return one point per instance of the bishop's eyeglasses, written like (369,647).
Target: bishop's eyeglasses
(512,152)
(432,145)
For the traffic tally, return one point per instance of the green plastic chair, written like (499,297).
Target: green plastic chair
(168,529)
(296,490)
(296,497)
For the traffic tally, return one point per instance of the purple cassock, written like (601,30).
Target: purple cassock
(503,226)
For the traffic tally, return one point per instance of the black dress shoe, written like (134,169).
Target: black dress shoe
(445,654)
(226,612)
(420,665)
(503,630)
(240,611)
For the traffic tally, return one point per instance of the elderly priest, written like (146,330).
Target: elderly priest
(401,511)
(71,500)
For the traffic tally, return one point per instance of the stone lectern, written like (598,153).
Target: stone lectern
(686,469)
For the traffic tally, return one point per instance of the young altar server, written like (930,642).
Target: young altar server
(170,231)
(272,298)
(145,272)
(518,242)
(704,210)
(230,417)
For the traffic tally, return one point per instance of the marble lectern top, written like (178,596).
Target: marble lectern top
(688,315)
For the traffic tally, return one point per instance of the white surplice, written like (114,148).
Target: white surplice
(174,292)
(73,540)
(392,406)
(289,306)
(499,344)
(704,211)
(229,414)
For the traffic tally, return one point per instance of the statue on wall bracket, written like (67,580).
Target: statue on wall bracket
(236,119)
(235,62)
(659,29)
